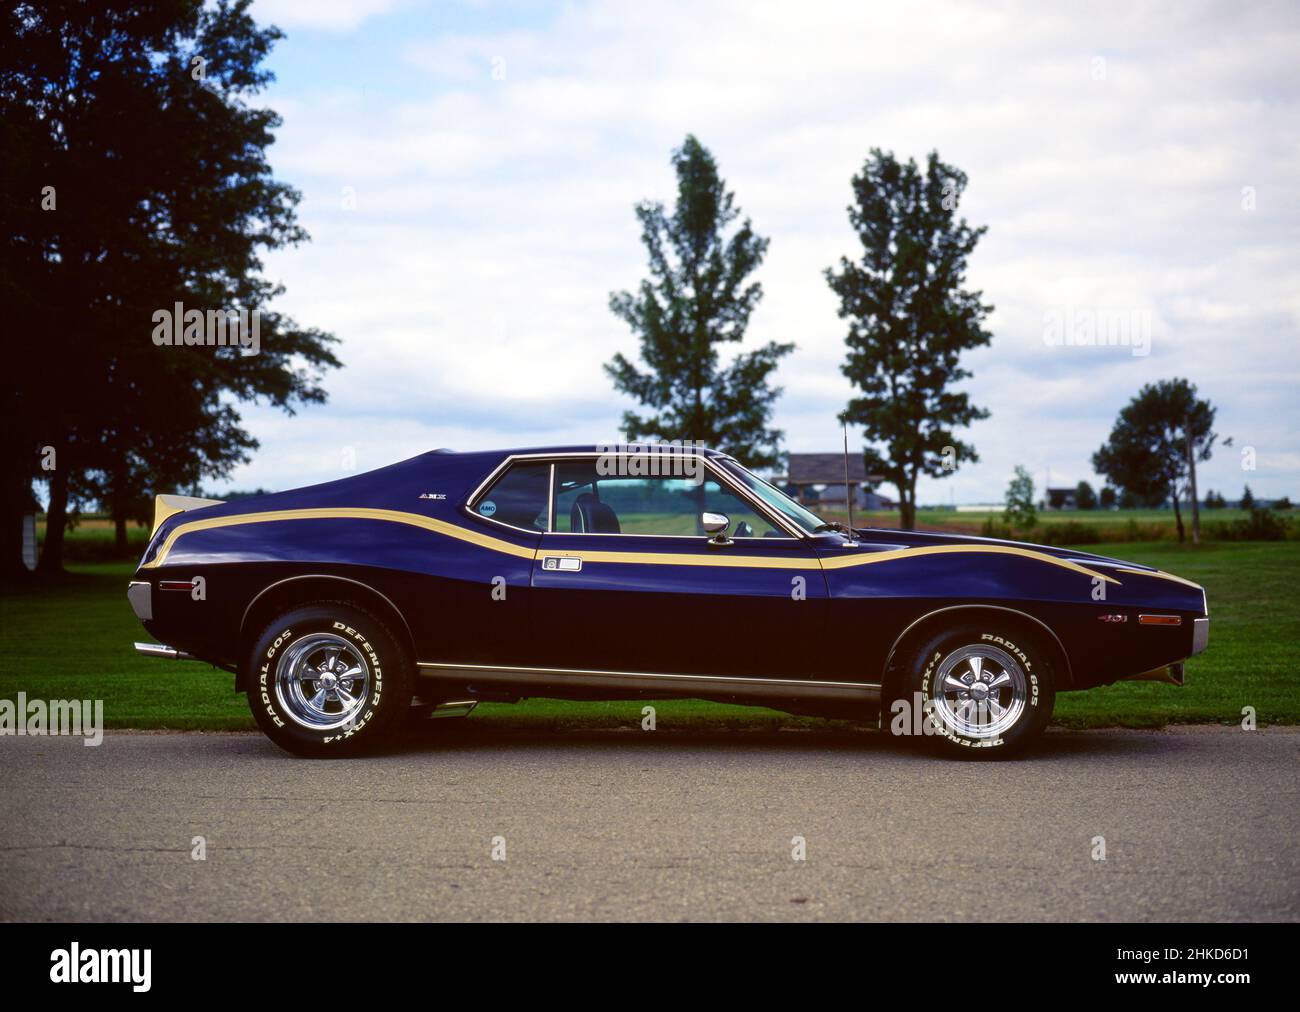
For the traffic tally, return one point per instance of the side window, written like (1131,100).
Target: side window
(590,503)
(519,497)
(745,521)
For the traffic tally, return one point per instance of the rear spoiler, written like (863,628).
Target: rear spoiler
(169,505)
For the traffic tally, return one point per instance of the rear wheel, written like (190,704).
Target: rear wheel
(328,679)
(983,690)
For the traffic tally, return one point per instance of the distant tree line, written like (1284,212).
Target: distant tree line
(910,318)
(135,178)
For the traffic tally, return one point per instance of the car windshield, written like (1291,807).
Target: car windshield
(774,497)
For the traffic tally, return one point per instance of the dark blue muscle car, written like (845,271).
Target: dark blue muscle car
(634,572)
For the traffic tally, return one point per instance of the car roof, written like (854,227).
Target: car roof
(601,448)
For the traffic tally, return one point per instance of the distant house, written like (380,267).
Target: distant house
(1061,499)
(832,498)
(818,479)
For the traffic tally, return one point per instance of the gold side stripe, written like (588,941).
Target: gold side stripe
(1160,575)
(392,516)
(847,561)
(716,557)
(643,558)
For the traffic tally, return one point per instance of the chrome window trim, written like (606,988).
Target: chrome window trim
(550,500)
(774,517)
(468,506)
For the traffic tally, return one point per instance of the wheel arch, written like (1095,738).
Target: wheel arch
(282,595)
(939,618)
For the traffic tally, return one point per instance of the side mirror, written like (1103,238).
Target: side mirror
(716,524)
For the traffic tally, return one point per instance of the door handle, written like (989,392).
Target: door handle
(562,563)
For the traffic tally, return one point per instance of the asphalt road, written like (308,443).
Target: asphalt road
(1199,824)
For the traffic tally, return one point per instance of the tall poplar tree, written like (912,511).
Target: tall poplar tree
(698,298)
(910,318)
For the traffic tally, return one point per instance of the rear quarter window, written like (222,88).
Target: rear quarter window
(519,497)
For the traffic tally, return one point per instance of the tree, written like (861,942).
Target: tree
(1147,452)
(1247,499)
(1214,500)
(136,177)
(910,318)
(1084,497)
(1020,511)
(699,297)
(1106,499)
(1282,504)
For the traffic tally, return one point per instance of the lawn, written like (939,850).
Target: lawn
(1110,525)
(72,640)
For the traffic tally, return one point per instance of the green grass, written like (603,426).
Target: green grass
(1152,524)
(71,639)
(1254,642)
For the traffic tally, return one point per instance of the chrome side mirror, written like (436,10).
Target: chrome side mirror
(716,524)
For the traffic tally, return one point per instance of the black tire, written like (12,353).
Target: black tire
(278,691)
(979,723)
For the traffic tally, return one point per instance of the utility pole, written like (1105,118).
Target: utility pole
(1191,474)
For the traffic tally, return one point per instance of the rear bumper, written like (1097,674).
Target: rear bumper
(165,652)
(140,594)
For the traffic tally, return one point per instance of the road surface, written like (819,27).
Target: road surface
(1197,823)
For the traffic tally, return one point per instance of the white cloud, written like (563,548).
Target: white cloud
(494,213)
(324,15)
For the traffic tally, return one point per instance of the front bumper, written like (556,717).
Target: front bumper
(1200,634)
(1171,674)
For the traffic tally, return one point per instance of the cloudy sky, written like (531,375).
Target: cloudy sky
(469,171)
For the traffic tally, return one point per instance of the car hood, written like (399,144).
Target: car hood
(885,537)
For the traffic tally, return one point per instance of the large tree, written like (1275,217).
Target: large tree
(699,297)
(135,177)
(1147,454)
(910,318)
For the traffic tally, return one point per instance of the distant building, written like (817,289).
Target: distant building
(1061,499)
(832,498)
(818,479)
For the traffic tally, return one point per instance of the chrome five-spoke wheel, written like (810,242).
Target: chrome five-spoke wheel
(322,681)
(980,692)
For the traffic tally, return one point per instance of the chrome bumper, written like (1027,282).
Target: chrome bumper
(1200,634)
(1171,674)
(140,595)
(165,652)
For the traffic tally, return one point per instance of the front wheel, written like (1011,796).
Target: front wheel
(328,679)
(984,691)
